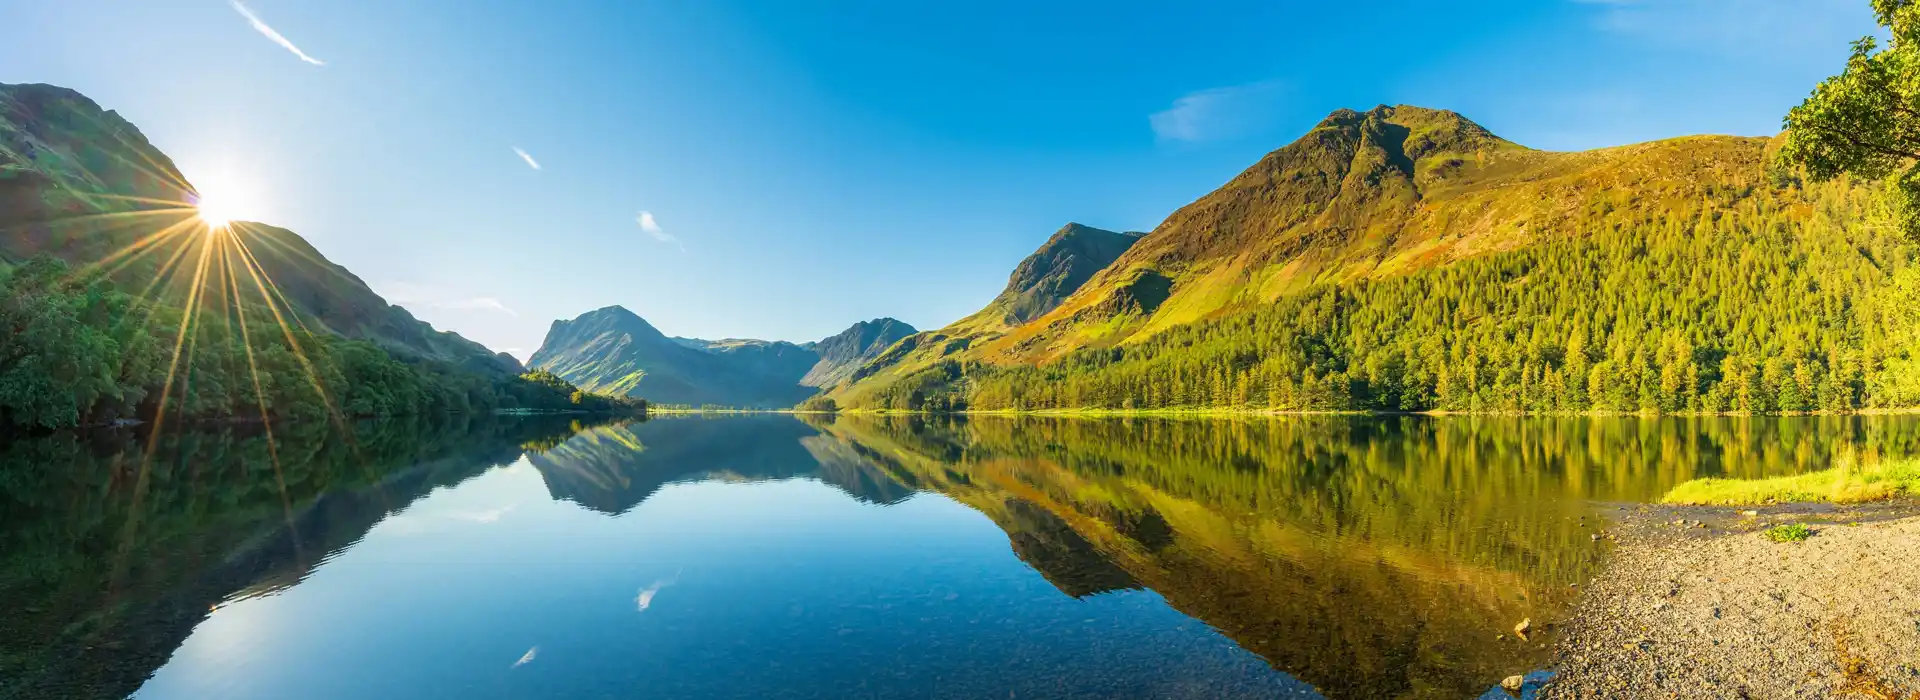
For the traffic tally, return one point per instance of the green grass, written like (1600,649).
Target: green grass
(1846,483)
(1796,532)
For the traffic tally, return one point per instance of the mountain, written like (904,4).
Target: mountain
(846,352)
(613,468)
(1405,258)
(613,350)
(1067,260)
(82,184)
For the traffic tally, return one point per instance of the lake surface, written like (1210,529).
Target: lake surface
(776,557)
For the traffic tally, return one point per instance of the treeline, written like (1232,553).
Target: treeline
(78,351)
(1760,300)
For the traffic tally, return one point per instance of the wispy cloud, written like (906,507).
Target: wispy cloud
(645,599)
(410,294)
(480,303)
(531,163)
(272,35)
(652,228)
(1763,29)
(1218,113)
(485,516)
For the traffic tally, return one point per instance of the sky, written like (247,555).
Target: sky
(781,170)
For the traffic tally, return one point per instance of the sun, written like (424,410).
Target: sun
(220,199)
(214,212)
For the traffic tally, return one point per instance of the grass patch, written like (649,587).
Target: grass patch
(1845,483)
(1795,532)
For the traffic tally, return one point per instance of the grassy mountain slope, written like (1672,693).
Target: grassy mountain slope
(1068,259)
(612,350)
(84,185)
(1368,195)
(1407,259)
(846,352)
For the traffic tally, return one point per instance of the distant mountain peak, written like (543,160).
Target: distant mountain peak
(844,353)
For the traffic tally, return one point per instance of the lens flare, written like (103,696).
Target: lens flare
(216,213)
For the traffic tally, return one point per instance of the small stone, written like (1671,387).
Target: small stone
(1513,684)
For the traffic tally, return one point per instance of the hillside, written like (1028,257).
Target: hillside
(846,352)
(1043,280)
(1408,259)
(613,350)
(82,184)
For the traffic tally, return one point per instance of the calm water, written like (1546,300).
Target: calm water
(770,557)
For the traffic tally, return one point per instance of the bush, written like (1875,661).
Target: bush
(1796,532)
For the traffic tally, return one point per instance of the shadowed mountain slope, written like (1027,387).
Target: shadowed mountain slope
(82,184)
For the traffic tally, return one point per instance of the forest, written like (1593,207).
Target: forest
(1787,296)
(76,350)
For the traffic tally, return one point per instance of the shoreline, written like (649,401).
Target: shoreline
(1262,412)
(1697,603)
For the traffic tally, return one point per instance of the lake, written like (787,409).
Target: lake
(770,556)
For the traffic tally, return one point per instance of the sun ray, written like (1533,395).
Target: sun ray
(172,204)
(160,411)
(246,251)
(160,276)
(153,167)
(261,282)
(318,263)
(259,393)
(132,252)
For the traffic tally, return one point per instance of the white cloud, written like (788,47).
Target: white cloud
(645,599)
(272,35)
(484,516)
(409,294)
(480,303)
(531,163)
(1217,113)
(652,227)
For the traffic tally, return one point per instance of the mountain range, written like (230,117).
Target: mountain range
(613,350)
(1405,258)
(1400,258)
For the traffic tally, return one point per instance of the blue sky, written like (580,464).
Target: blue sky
(783,169)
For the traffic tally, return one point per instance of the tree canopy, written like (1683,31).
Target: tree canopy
(1866,120)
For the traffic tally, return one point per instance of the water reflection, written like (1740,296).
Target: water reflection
(113,557)
(1341,556)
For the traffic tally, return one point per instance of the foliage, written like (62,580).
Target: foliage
(1845,483)
(76,351)
(1795,532)
(819,404)
(1866,121)
(1760,300)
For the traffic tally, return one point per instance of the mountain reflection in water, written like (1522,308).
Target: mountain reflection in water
(1354,556)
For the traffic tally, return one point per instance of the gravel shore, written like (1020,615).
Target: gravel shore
(1699,604)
